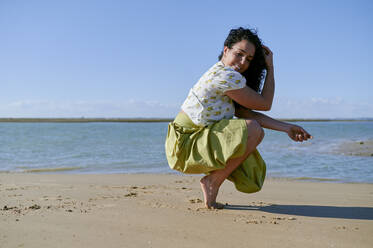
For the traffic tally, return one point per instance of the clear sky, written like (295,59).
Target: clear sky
(139,58)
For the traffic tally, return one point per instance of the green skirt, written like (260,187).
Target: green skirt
(196,149)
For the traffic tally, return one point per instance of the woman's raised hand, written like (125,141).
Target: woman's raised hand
(297,133)
(268,55)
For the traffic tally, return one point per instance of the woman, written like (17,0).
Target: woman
(204,137)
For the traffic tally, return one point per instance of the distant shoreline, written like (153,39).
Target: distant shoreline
(78,120)
(82,120)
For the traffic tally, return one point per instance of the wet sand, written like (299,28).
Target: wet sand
(144,210)
(357,148)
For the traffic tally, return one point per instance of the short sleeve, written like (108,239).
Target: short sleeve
(229,80)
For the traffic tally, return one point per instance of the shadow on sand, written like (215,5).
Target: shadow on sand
(358,213)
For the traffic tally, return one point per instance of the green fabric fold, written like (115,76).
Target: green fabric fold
(193,149)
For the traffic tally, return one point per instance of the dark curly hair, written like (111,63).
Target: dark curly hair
(255,73)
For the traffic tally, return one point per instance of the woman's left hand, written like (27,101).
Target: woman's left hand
(268,56)
(297,133)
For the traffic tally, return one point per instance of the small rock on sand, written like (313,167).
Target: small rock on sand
(35,206)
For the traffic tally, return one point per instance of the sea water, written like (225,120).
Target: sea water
(139,148)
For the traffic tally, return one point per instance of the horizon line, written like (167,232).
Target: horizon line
(153,119)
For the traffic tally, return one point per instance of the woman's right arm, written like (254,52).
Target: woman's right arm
(295,132)
(250,98)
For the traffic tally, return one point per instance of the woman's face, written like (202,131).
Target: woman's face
(239,56)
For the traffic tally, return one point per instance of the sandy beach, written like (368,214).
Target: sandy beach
(144,210)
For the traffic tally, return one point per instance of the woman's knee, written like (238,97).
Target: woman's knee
(254,130)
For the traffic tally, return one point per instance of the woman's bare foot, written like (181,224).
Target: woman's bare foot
(210,191)
(217,205)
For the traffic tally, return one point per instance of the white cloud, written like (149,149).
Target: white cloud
(129,108)
(317,107)
(282,108)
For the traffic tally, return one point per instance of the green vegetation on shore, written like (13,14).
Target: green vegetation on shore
(77,120)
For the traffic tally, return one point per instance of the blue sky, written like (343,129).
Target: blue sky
(139,58)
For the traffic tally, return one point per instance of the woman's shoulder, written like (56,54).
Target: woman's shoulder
(220,76)
(221,71)
(227,76)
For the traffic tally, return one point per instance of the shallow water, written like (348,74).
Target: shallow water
(139,148)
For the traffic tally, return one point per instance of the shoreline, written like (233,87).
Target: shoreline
(69,171)
(152,210)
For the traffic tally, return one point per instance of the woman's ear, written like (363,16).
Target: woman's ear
(225,50)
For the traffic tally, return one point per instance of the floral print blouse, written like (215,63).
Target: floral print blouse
(206,102)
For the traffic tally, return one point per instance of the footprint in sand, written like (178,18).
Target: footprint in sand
(195,200)
(131,194)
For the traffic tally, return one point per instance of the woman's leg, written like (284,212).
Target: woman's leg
(211,183)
